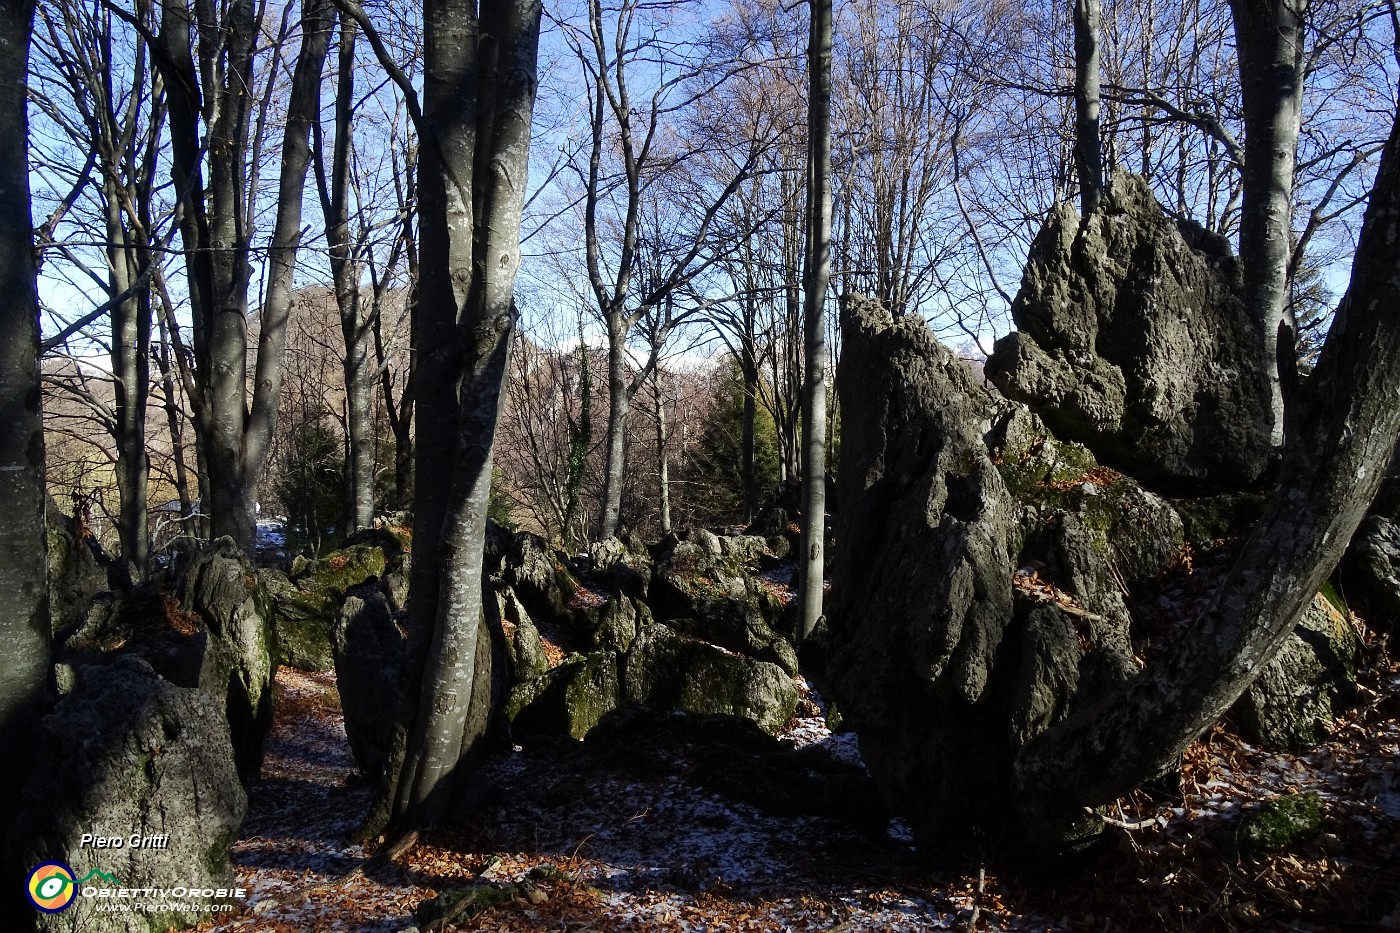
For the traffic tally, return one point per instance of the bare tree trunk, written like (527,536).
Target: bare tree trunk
(473,178)
(24,594)
(234,436)
(1342,432)
(131,343)
(817,267)
(345,272)
(749,367)
(662,461)
(1088,158)
(1269,38)
(619,405)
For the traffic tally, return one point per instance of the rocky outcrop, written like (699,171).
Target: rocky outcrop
(127,756)
(1133,341)
(665,670)
(76,572)
(702,586)
(307,604)
(1311,681)
(921,594)
(368,651)
(233,655)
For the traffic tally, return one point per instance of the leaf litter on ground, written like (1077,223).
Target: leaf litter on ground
(642,842)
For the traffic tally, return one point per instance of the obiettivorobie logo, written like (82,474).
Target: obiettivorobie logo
(52,888)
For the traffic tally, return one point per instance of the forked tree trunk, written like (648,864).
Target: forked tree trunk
(479,89)
(24,594)
(817,266)
(1341,434)
(234,435)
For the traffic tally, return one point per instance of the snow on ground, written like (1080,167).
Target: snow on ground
(638,845)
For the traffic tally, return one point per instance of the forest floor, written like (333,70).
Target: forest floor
(611,845)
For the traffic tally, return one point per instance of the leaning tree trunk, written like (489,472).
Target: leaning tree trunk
(24,594)
(1088,157)
(1341,434)
(817,266)
(472,184)
(1269,38)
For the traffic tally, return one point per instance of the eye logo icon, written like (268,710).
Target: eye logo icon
(51,887)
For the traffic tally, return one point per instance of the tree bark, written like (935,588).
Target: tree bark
(1088,158)
(817,268)
(619,406)
(1269,37)
(662,459)
(24,595)
(345,272)
(1342,432)
(233,436)
(479,88)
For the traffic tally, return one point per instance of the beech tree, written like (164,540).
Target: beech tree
(816,269)
(207,60)
(24,595)
(474,126)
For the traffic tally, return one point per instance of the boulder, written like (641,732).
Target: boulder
(233,656)
(369,652)
(699,589)
(1309,682)
(76,571)
(568,699)
(1370,572)
(1133,341)
(668,671)
(307,605)
(126,755)
(921,591)
(524,647)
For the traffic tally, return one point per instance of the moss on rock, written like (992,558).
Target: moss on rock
(1278,823)
(666,671)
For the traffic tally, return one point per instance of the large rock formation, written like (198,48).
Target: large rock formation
(1133,341)
(1309,682)
(127,756)
(233,656)
(921,594)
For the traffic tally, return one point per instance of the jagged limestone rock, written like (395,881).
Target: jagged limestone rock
(524,648)
(1133,341)
(306,606)
(668,671)
(1370,571)
(697,589)
(1308,683)
(569,699)
(921,594)
(236,663)
(126,754)
(369,652)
